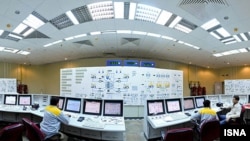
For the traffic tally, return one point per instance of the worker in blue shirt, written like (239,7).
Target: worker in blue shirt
(52,119)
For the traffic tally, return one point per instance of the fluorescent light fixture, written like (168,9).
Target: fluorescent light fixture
(11,50)
(68,38)
(132,8)
(119,10)
(23,52)
(180,42)
(230,52)
(223,32)
(237,38)
(210,24)
(147,13)
(28,32)
(95,33)
(195,47)
(101,10)
(15,36)
(109,32)
(20,28)
(139,32)
(124,31)
(72,17)
(33,21)
(168,38)
(183,28)
(243,50)
(2,48)
(217,55)
(188,44)
(231,42)
(80,35)
(215,35)
(56,42)
(1,32)
(175,21)
(164,17)
(154,35)
(243,36)
(228,39)
(47,45)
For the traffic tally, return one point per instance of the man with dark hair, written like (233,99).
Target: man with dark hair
(234,112)
(204,114)
(52,119)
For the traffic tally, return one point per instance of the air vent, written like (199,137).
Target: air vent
(130,41)
(36,34)
(185,2)
(109,54)
(85,42)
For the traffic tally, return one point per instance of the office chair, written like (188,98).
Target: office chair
(177,134)
(33,133)
(240,120)
(12,132)
(209,131)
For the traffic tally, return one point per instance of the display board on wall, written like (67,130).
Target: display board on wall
(132,84)
(239,86)
(8,86)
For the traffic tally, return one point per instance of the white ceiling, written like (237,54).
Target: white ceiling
(145,47)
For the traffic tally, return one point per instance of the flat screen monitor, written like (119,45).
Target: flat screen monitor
(61,102)
(188,103)
(199,101)
(155,107)
(10,99)
(173,105)
(92,106)
(113,108)
(25,100)
(73,105)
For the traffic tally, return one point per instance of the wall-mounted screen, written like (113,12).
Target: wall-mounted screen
(113,108)
(188,103)
(73,105)
(92,106)
(155,107)
(24,100)
(10,99)
(199,101)
(173,105)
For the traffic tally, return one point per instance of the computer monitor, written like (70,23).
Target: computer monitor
(92,106)
(113,108)
(188,103)
(173,105)
(73,105)
(199,101)
(155,107)
(25,100)
(10,99)
(61,102)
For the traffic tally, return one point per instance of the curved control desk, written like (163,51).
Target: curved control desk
(109,128)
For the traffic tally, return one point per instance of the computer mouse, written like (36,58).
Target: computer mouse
(195,111)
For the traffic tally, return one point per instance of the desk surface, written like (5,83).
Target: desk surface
(114,124)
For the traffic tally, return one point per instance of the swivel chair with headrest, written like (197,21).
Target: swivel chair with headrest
(177,134)
(240,120)
(33,132)
(12,132)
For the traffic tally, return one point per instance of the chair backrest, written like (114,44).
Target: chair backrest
(210,130)
(12,132)
(179,134)
(33,133)
(239,120)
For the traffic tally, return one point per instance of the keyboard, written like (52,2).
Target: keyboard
(178,116)
(93,124)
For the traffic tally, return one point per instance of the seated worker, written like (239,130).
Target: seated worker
(52,119)
(234,112)
(204,114)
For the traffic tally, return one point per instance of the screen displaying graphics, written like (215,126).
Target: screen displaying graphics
(173,105)
(199,101)
(24,100)
(10,99)
(61,102)
(73,105)
(92,106)
(113,108)
(188,103)
(155,107)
